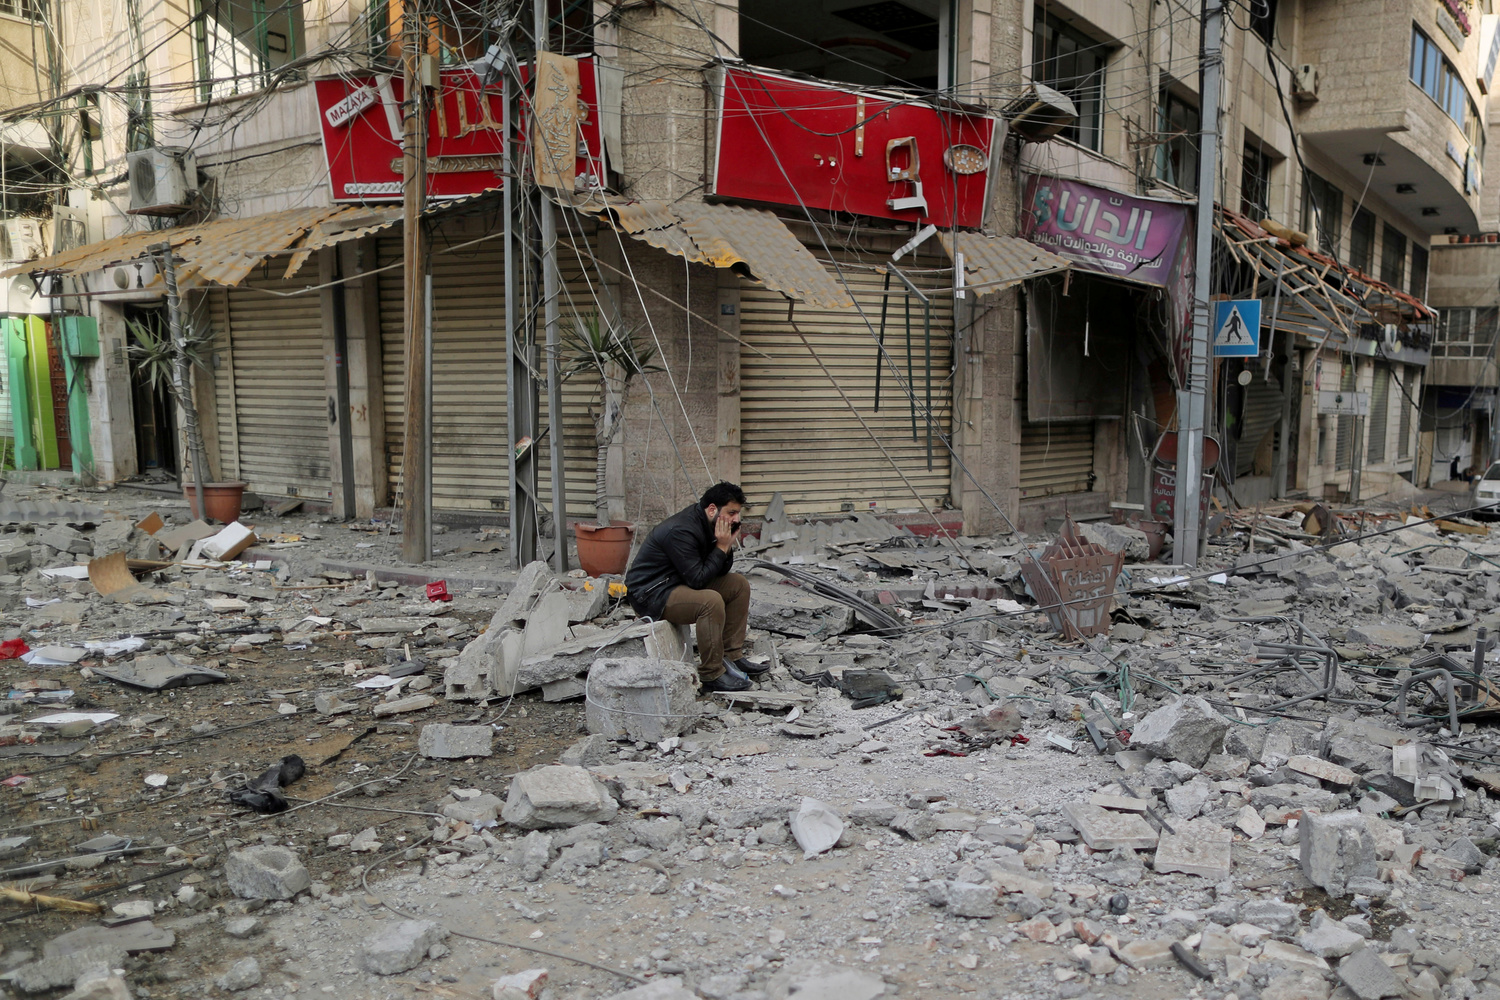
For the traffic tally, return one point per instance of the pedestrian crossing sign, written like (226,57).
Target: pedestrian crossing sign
(1237,328)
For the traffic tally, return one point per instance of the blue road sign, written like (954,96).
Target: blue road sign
(1237,328)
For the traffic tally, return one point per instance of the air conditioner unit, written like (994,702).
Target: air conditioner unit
(1305,82)
(1040,113)
(70,228)
(21,239)
(162,180)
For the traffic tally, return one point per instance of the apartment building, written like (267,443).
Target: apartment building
(774,198)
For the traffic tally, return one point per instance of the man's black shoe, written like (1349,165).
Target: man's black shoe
(728,681)
(747,668)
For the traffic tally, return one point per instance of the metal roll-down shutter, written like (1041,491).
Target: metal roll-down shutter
(280,394)
(797,434)
(1056,458)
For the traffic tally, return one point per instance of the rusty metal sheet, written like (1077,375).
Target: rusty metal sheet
(352,224)
(644,215)
(994,263)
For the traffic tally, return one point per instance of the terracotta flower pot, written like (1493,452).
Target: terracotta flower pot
(221,499)
(603,551)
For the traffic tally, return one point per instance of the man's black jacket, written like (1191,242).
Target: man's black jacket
(679,551)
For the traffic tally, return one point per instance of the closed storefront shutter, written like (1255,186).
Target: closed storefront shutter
(1380,410)
(272,392)
(1056,458)
(1262,413)
(797,434)
(469,432)
(1343,448)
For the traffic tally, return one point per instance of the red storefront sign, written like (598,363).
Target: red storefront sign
(360,116)
(794,142)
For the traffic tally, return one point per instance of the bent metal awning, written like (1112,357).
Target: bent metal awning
(223,251)
(752,242)
(995,263)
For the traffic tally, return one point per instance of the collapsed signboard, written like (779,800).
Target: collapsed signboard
(360,118)
(786,141)
(1121,235)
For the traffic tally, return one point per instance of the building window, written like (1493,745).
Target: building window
(1177,150)
(1072,63)
(31,10)
(241,43)
(1392,256)
(1418,286)
(1263,19)
(1362,240)
(1466,332)
(864,42)
(1380,402)
(1431,71)
(1322,212)
(1255,183)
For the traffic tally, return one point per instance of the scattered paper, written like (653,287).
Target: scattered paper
(54,656)
(156,780)
(69,572)
(63,718)
(32,602)
(380,681)
(115,647)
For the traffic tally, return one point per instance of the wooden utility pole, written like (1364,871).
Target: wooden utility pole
(416,463)
(182,376)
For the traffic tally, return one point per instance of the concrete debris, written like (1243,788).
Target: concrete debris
(641,699)
(1335,849)
(557,795)
(401,946)
(1188,729)
(442,741)
(242,975)
(1369,978)
(266,872)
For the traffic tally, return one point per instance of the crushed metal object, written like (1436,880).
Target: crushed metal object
(1075,583)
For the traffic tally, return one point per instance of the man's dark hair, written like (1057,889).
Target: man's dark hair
(719,494)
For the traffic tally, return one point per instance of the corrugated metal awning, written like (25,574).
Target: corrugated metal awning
(994,263)
(749,241)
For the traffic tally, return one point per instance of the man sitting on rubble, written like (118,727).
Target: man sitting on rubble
(681,575)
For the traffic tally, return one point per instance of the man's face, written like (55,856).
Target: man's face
(730,512)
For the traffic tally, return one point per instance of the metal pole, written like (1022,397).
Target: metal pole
(341,389)
(549,312)
(1357,460)
(1193,398)
(415,514)
(517,377)
(181,377)
(427,397)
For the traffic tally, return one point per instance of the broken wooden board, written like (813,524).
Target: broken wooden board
(1459,527)
(766,701)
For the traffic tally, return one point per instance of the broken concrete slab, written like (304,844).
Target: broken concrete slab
(1104,830)
(547,626)
(442,741)
(557,795)
(1368,977)
(1399,638)
(1199,847)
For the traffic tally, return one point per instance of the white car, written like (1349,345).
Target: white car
(1485,492)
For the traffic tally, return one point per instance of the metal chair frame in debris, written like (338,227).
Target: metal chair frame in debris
(1074,582)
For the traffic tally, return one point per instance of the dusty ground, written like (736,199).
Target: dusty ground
(732,906)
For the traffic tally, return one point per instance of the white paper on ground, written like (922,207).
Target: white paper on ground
(71,572)
(380,681)
(115,647)
(63,718)
(53,656)
(32,602)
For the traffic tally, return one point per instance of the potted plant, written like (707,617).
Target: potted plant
(616,356)
(165,367)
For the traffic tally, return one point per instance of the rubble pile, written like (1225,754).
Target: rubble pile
(1270,779)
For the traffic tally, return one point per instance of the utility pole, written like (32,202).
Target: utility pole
(1192,403)
(549,310)
(416,461)
(182,380)
(520,387)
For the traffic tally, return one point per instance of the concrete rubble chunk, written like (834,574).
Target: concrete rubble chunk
(442,741)
(1291,956)
(1104,830)
(1296,986)
(972,899)
(1321,769)
(1368,977)
(1276,916)
(670,988)
(535,579)
(242,975)
(816,826)
(1188,800)
(478,810)
(657,834)
(63,970)
(99,984)
(557,795)
(547,625)
(1187,729)
(487,665)
(1327,938)
(1199,847)
(591,751)
(914,824)
(400,947)
(1399,638)
(524,985)
(1336,848)
(415,703)
(641,699)
(266,872)
(824,981)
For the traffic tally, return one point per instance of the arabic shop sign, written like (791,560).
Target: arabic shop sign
(1124,236)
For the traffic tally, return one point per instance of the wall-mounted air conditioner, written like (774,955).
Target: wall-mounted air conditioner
(1305,83)
(70,228)
(162,180)
(21,240)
